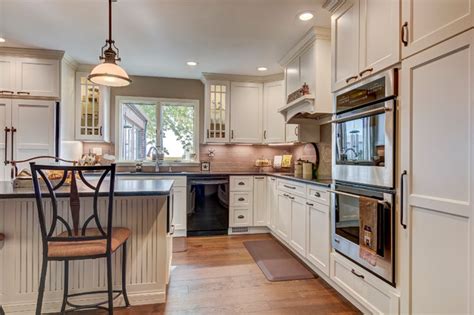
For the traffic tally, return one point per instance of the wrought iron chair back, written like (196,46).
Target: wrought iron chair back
(76,232)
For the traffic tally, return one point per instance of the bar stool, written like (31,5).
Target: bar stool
(79,243)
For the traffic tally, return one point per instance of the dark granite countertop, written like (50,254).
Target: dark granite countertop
(124,187)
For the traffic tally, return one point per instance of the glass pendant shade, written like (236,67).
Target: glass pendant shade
(109,74)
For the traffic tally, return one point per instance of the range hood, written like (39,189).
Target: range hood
(301,110)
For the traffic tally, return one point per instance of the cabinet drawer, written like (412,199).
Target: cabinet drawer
(377,296)
(240,216)
(318,194)
(241,199)
(241,183)
(292,187)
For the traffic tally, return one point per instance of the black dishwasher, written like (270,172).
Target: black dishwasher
(208,205)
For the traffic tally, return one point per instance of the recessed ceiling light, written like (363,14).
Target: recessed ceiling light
(192,63)
(306,16)
(2,40)
(262,68)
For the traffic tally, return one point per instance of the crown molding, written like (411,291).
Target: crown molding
(32,52)
(207,76)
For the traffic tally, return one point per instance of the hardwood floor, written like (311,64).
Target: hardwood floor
(218,276)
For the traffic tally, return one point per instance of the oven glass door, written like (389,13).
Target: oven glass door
(361,141)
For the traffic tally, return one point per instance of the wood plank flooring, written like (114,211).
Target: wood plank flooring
(218,276)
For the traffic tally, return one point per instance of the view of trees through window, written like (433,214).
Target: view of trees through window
(169,126)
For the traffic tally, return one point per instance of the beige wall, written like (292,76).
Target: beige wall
(159,87)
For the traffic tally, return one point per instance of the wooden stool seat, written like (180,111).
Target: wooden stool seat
(87,248)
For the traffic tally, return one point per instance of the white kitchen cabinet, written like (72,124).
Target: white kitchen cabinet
(246,112)
(241,207)
(361,47)
(5,122)
(92,110)
(345,44)
(273,121)
(319,245)
(426,23)
(298,224)
(179,211)
(283,220)
(29,76)
(272,202)
(292,76)
(260,213)
(299,133)
(217,112)
(437,240)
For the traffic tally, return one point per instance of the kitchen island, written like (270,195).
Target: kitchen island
(141,205)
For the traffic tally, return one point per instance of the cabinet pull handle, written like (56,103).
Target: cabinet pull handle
(316,194)
(232,134)
(356,274)
(296,130)
(208,133)
(292,198)
(310,204)
(241,199)
(240,217)
(337,241)
(354,77)
(241,183)
(22,93)
(259,177)
(404,34)
(361,74)
(7,130)
(7,92)
(402,201)
(13,130)
(290,187)
(100,131)
(265,135)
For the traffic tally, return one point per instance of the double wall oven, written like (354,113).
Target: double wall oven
(363,169)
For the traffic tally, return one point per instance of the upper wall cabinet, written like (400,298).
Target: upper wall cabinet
(23,76)
(217,112)
(92,110)
(246,112)
(426,23)
(360,45)
(273,121)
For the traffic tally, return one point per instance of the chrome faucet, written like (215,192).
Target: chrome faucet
(156,156)
(351,149)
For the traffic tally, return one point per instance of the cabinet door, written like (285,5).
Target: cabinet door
(273,121)
(179,209)
(37,77)
(216,112)
(298,224)
(283,219)
(319,246)
(34,122)
(5,144)
(437,243)
(246,112)
(260,214)
(308,68)
(292,74)
(292,132)
(345,45)
(379,46)
(431,22)
(272,202)
(7,75)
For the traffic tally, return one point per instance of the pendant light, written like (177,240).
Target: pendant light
(109,73)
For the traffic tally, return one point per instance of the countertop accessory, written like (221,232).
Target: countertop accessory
(205,166)
(109,73)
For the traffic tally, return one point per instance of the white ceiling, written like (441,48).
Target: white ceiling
(157,37)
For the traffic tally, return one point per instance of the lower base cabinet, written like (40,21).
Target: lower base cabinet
(283,220)
(298,224)
(319,242)
(374,294)
(272,202)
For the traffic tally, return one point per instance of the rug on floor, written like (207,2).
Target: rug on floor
(180,244)
(276,263)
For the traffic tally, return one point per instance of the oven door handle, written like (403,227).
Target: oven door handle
(374,111)
(353,196)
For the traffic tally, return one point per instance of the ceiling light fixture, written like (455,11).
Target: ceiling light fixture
(192,63)
(262,68)
(306,16)
(109,73)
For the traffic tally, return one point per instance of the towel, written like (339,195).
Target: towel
(368,229)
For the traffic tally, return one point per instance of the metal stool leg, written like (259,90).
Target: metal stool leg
(44,269)
(124,274)
(109,284)
(66,286)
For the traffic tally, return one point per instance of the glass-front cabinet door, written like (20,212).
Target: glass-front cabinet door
(92,110)
(217,112)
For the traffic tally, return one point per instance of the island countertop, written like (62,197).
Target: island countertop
(124,187)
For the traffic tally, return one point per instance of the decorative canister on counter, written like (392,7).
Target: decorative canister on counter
(299,168)
(307,170)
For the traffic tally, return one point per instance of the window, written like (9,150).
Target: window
(170,125)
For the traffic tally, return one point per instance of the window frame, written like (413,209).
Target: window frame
(158,101)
